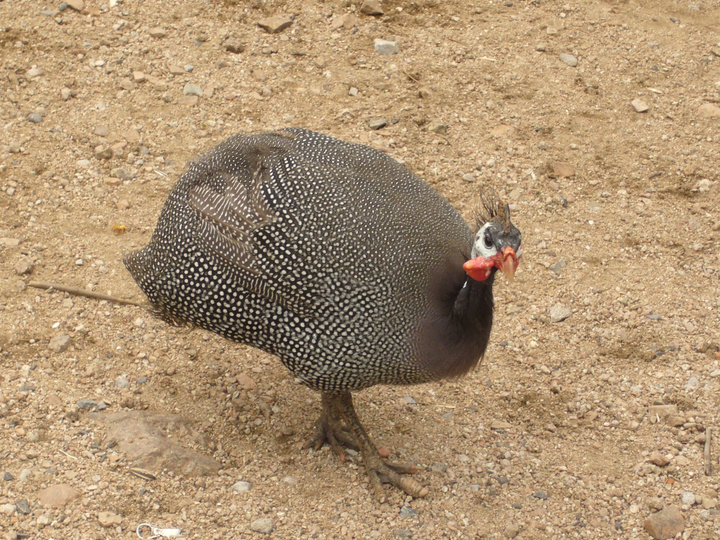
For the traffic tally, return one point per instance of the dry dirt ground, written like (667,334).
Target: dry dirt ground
(558,433)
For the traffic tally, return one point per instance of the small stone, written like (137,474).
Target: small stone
(559,313)
(240,487)
(122,382)
(175,69)
(291,480)
(8,476)
(157,32)
(409,400)
(273,25)
(383,46)
(371,7)
(109,519)
(568,59)
(43,521)
(558,266)
(59,343)
(246,382)
(441,128)
(662,411)
(377,123)
(24,266)
(511,531)
(66,94)
(408,512)
(23,506)
(499,424)
(665,524)
(58,495)
(563,170)
(656,458)
(262,525)
(77,5)
(9,242)
(692,384)
(35,118)
(34,72)
(86,404)
(103,152)
(540,494)
(192,90)
(541,47)
(402,533)
(709,110)
(234,47)
(139,77)
(142,380)
(101,131)
(188,101)
(353,91)
(687,498)
(639,105)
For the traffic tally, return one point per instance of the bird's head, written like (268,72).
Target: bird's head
(497,242)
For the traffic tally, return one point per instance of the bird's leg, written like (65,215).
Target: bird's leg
(331,429)
(338,409)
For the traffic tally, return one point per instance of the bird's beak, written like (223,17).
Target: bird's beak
(508,262)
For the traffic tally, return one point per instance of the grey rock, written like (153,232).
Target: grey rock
(262,525)
(559,313)
(59,343)
(558,266)
(192,90)
(408,512)
(441,128)
(403,533)
(692,384)
(23,506)
(8,476)
(687,498)
(35,118)
(568,59)
(240,487)
(87,404)
(439,467)
(383,46)
(122,382)
(410,400)
(540,494)
(377,123)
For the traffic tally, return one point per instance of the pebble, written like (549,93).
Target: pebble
(8,476)
(24,475)
(58,495)
(77,5)
(383,46)
(687,498)
(34,72)
(441,128)
(568,59)
(709,110)
(639,105)
(109,519)
(540,494)
(86,404)
(665,524)
(371,7)
(511,531)
(240,487)
(692,384)
(403,533)
(262,525)
(35,118)
(408,512)
(656,458)
(234,47)
(23,267)
(559,313)
(192,90)
(23,506)
(410,400)
(377,123)
(563,170)
(59,343)
(142,379)
(101,131)
(7,509)
(122,382)
(66,94)
(558,266)
(273,25)
(157,32)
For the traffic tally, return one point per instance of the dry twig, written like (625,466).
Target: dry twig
(708,459)
(82,292)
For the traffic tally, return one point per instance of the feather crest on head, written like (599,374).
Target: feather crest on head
(492,208)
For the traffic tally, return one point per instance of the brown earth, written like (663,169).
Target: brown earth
(553,436)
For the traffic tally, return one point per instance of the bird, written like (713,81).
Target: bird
(338,260)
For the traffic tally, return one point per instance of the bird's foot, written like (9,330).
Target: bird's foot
(340,427)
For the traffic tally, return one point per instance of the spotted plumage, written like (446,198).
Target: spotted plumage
(330,255)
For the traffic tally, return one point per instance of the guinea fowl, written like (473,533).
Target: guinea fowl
(338,260)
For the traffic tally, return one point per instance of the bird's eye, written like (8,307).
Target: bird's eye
(487,240)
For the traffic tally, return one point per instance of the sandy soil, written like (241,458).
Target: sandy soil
(581,428)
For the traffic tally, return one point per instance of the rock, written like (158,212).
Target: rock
(262,525)
(499,424)
(58,495)
(639,105)
(558,266)
(22,506)
(234,47)
(23,267)
(59,343)
(377,123)
(109,519)
(157,32)
(34,72)
(512,530)
(77,5)
(122,382)
(559,313)
(101,131)
(8,476)
(687,498)
(709,110)
(175,69)
(436,126)
(371,7)
(246,382)
(35,118)
(152,441)
(9,242)
(656,458)
(192,90)
(568,59)
(188,101)
(540,494)
(7,509)
(665,524)
(240,487)
(662,411)
(66,94)
(383,46)
(86,404)
(408,511)
(43,521)
(563,170)
(273,25)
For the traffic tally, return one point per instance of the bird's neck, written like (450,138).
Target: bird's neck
(460,333)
